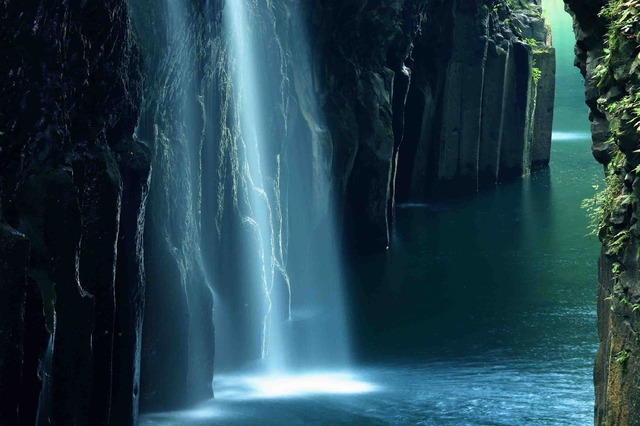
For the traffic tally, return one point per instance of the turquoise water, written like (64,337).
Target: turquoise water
(481,313)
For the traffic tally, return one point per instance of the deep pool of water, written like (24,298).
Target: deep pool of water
(481,313)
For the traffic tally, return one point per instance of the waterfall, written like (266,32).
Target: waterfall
(324,335)
(178,333)
(241,206)
(300,278)
(251,134)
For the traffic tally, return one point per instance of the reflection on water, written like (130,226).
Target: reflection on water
(274,386)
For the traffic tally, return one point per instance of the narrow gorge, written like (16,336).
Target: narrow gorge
(274,212)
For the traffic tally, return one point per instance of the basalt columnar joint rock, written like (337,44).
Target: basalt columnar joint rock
(71,95)
(606,53)
(474,116)
(431,99)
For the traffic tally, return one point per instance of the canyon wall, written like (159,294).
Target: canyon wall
(431,99)
(480,106)
(606,53)
(107,305)
(73,184)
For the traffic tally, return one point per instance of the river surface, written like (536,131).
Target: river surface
(482,312)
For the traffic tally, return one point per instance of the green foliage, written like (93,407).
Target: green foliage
(623,36)
(635,307)
(618,241)
(536,74)
(615,270)
(622,357)
(604,202)
(618,68)
(495,5)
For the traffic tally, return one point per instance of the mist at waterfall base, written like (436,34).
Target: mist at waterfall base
(482,311)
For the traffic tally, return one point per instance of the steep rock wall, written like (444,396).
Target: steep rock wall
(206,231)
(474,99)
(606,53)
(430,99)
(357,83)
(71,170)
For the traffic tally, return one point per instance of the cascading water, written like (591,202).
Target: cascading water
(452,341)
(325,333)
(303,325)
(251,133)
(242,191)
(178,322)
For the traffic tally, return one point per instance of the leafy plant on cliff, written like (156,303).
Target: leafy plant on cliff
(536,74)
(600,207)
(618,78)
(618,241)
(622,357)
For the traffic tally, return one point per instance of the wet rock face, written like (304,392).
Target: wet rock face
(431,99)
(205,230)
(71,95)
(605,61)
(176,364)
(362,83)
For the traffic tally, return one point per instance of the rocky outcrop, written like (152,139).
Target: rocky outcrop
(606,47)
(357,84)
(545,61)
(71,96)
(432,99)
(474,98)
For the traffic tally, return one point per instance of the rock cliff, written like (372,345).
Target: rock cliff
(72,190)
(606,53)
(481,100)
(431,99)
